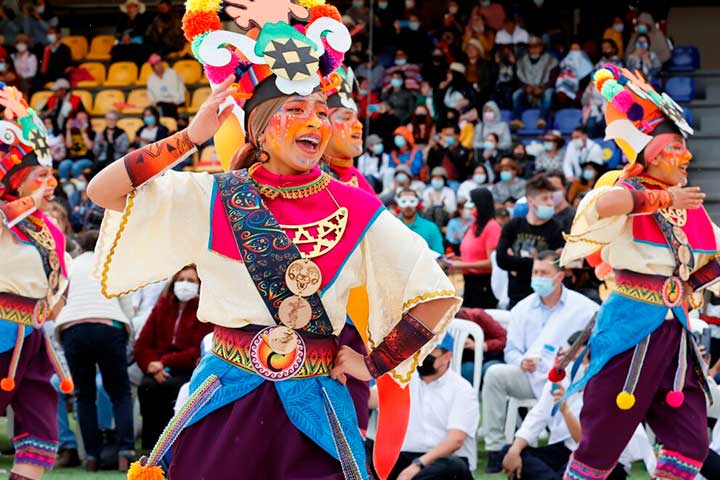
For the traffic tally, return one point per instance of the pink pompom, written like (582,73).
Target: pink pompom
(675,398)
(623,101)
(218,74)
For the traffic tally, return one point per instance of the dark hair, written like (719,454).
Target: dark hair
(485,206)
(549,256)
(538,183)
(406,190)
(495,136)
(645,36)
(169,288)
(88,240)
(399,72)
(557,174)
(501,212)
(154,112)
(581,129)
(454,126)
(576,336)
(612,44)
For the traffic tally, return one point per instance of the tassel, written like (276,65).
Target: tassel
(66,384)
(625,400)
(8,383)
(139,471)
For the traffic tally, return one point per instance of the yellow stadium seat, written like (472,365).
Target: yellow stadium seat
(40,98)
(184,53)
(97,70)
(198,97)
(86,98)
(107,100)
(98,124)
(121,74)
(78,46)
(137,101)
(100,47)
(170,123)
(189,70)
(131,125)
(208,161)
(145,72)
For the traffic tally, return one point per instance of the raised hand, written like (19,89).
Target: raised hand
(207,121)
(686,198)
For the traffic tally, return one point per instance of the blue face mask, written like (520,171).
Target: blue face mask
(362,91)
(437,183)
(574,54)
(400,61)
(543,286)
(399,141)
(396,82)
(506,176)
(642,28)
(378,148)
(643,44)
(488,145)
(414,26)
(548,146)
(449,141)
(401,178)
(544,212)
(588,174)
(149,120)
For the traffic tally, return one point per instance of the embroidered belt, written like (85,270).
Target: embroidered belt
(249,348)
(23,310)
(653,289)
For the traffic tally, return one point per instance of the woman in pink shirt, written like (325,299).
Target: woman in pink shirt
(476,247)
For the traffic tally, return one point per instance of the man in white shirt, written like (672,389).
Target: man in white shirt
(580,151)
(511,33)
(165,88)
(537,331)
(374,163)
(444,413)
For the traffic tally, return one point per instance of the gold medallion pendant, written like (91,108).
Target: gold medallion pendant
(303,277)
(277,353)
(295,312)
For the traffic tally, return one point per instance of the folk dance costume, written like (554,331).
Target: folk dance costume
(645,365)
(278,257)
(34,269)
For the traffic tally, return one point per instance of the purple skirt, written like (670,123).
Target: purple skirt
(252,438)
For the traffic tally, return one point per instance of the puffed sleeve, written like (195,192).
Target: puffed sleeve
(164,226)
(589,232)
(401,272)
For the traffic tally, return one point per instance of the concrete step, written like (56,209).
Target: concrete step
(713,209)
(706,151)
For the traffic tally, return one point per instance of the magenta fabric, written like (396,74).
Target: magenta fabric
(346,174)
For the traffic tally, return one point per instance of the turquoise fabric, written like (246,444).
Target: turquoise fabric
(429,231)
(8,334)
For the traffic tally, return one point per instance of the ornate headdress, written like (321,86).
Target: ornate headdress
(23,139)
(338,87)
(635,112)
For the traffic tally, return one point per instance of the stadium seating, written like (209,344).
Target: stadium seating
(86,97)
(100,47)
(40,98)
(688,114)
(131,125)
(98,124)
(97,70)
(137,101)
(170,123)
(145,72)
(107,100)
(189,70)
(198,97)
(684,59)
(611,153)
(121,74)
(681,89)
(567,119)
(530,117)
(78,46)
(506,115)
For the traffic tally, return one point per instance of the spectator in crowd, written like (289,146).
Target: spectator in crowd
(79,137)
(439,200)
(125,50)
(479,179)
(94,333)
(574,71)
(492,12)
(413,40)
(455,89)
(401,180)
(537,72)
(446,151)
(358,12)
(458,225)
(564,212)
(9,27)
(509,186)
(537,331)
(614,33)
(524,160)
(506,82)
(512,34)
(400,100)
(443,421)
(657,42)
(152,130)
(434,71)
(492,122)
(405,152)
(47,13)
(410,74)
(133,21)
(165,30)
(553,155)
(478,35)
(523,238)
(34,25)
(609,53)
(643,58)
(593,111)
(57,57)
(493,345)
(25,63)
(427,98)
(450,44)
(374,163)
(371,70)
(110,143)
(422,125)
(7,73)
(62,105)
(167,351)
(591,171)
(408,201)
(59,214)
(364,97)
(165,88)
(476,248)
(478,70)
(580,151)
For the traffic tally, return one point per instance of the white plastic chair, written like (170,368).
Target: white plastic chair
(512,419)
(500,316)
(460,331)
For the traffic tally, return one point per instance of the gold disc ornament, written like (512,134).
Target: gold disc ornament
(295,312)
(282,340)
(303,277)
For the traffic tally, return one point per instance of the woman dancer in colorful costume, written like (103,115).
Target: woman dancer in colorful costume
(34,269)
(655,234)
(278,248)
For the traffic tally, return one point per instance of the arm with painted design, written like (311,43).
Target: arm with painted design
(113,184)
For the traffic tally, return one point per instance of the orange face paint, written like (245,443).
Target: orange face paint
(671,162)
(346,140)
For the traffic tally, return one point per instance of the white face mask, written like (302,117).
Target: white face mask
(185,290)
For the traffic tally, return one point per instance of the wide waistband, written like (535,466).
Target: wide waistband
(246,348)
(642,287)
(23,310)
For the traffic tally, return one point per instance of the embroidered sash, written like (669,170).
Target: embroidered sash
(264,247)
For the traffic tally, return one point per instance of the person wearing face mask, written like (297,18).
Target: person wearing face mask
(483,37)
(657,42)
(405,152)
(57,57)
(79,144)
(408,202)
(574,68)
(444,415)
(537,72)
(447,152)
(458,225)
(152,130)
(422,125)
(642,58)
(614,33)
(591,172)
(165,31)
(374,163)
(439,200)
(25,63)
(414,40)
(165,88)
(372,72)
(524,159)
(536,332)
(358,12)
(63,105)
(399,100)
(491,122)
(509,186)
(478,179)
(94,332)
(410,73)
(524,236)
(564,211)
(580,151)
(512,34)
(610,53)
(552,156)
(167,350)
